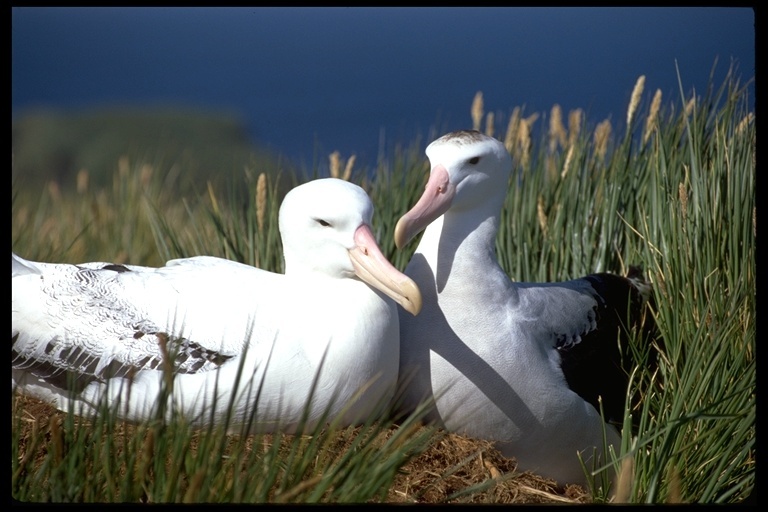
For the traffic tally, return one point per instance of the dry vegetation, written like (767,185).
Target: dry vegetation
(447,468)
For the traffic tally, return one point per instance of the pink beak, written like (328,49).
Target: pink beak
(373,267)
(434,202)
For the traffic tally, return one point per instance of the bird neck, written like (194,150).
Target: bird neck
(460,244)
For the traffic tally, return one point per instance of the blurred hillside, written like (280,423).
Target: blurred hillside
(187,147)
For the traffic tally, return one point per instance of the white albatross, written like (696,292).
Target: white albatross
(328,326)
(521,364)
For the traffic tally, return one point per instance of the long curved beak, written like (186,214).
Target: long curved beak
(373,267)
(435,201)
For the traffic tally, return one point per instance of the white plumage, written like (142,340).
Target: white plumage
(500,358)
(104,333)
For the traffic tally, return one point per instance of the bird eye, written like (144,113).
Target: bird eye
(474,160)
(323,223)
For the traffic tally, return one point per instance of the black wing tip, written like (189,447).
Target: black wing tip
(599,366)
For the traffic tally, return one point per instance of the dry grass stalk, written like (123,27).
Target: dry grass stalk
(650,122)
(541,215)
(524,138)
(512,126)
(568,160)
(674,495)
(557,133)
(550,164)
(477,110)
(261,200)
(147,457)
(634,101)
(624,481)
(193,493)
(744,123)
(489,124)
(57,439)
(690,105)
(294,491)
(601,138)
(423,479)
(683,196)
(348,168)
(214,203)
(574,125)
(334,164)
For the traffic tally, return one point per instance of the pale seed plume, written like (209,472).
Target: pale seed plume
(690,105)
(512,126)
(348,168)
(557,133)
(214,203)
(524,141)
(541,215)
(674,495)
(524,138)
(261,200)
(601,138)
(551,166)
(650,122)
(624,481)
(477,110)
(682,194)
(489,124)
(744,123)
(574,125)
(568,159)
(634,101)
(334,164)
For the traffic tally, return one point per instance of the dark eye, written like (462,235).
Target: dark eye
(474,160)
(323,223)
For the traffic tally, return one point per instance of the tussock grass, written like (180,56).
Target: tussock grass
(673,191)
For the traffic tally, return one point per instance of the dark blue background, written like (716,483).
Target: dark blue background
(361,79)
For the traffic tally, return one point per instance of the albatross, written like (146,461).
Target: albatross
(526,365)
(243,345)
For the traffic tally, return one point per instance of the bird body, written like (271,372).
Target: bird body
(497,356)
(257,344)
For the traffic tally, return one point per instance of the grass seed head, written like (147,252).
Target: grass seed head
(574,125)
(348,168)
(477,110)
(634,101)
(557,133)
(334,164)
(261,200)
(601,137)
(567,164)
(489,124)
(512,126)
(650,122)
